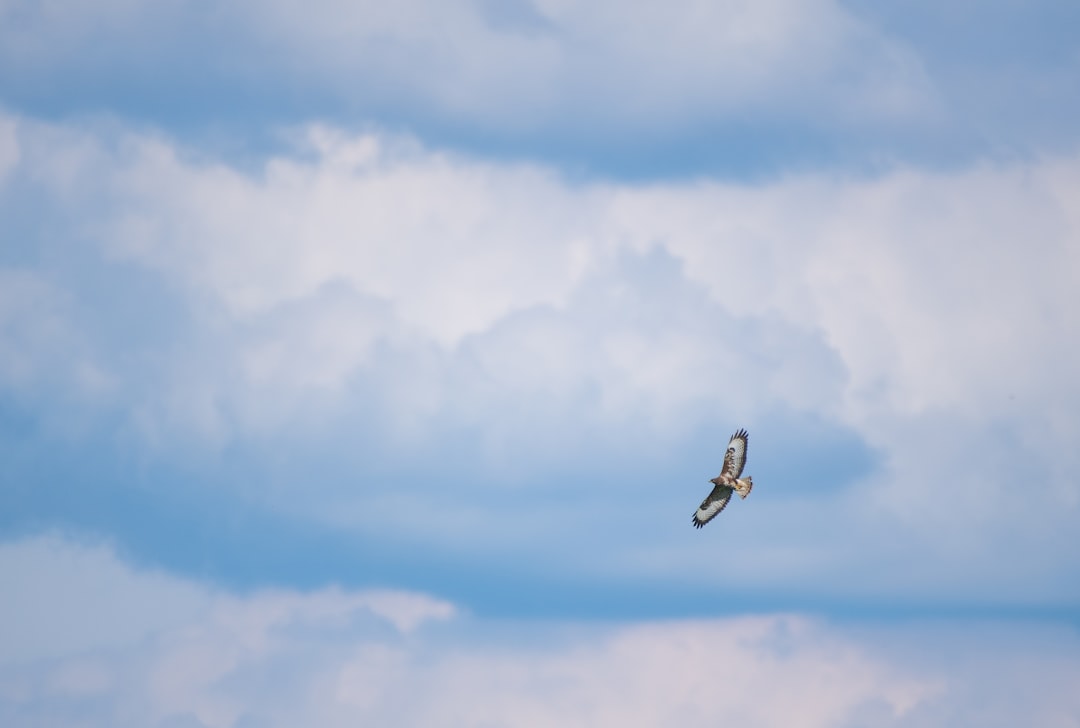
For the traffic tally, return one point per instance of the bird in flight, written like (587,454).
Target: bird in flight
(727,482)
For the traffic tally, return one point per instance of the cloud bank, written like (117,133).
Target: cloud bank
(338,657)
(408,344)
(733,87)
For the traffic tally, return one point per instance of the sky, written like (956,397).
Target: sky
(364,363)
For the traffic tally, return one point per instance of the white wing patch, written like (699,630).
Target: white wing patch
(735,457)
(712,505)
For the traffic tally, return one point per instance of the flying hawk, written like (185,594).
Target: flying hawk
(727,481)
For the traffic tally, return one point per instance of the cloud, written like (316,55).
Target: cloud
(9,149)
(638,88)
(66,598)
(335,657)
(42,353)
(515,68)
(600,86)
(373,330)
(572,54)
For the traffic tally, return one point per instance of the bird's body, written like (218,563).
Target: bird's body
(727,482)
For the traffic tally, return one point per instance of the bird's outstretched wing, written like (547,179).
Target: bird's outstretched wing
(735,457)
(712,505)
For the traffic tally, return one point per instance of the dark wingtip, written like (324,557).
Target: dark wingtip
(697,522)
(741,433)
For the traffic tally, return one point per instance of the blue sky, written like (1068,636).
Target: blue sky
(400,343)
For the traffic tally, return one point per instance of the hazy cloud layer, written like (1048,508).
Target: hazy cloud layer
(334,657)
(498,65)
(732,87)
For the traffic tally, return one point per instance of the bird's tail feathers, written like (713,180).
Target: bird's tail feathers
(743,486)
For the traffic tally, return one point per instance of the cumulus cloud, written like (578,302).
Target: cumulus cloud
(942,294)
(337,657)
(395,306)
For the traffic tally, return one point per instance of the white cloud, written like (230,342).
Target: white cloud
(9,147)
(42,353)
(948,298)
(335,657)
(367,219)
(939,292)
(63,599)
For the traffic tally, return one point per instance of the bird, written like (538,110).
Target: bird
(727,482)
